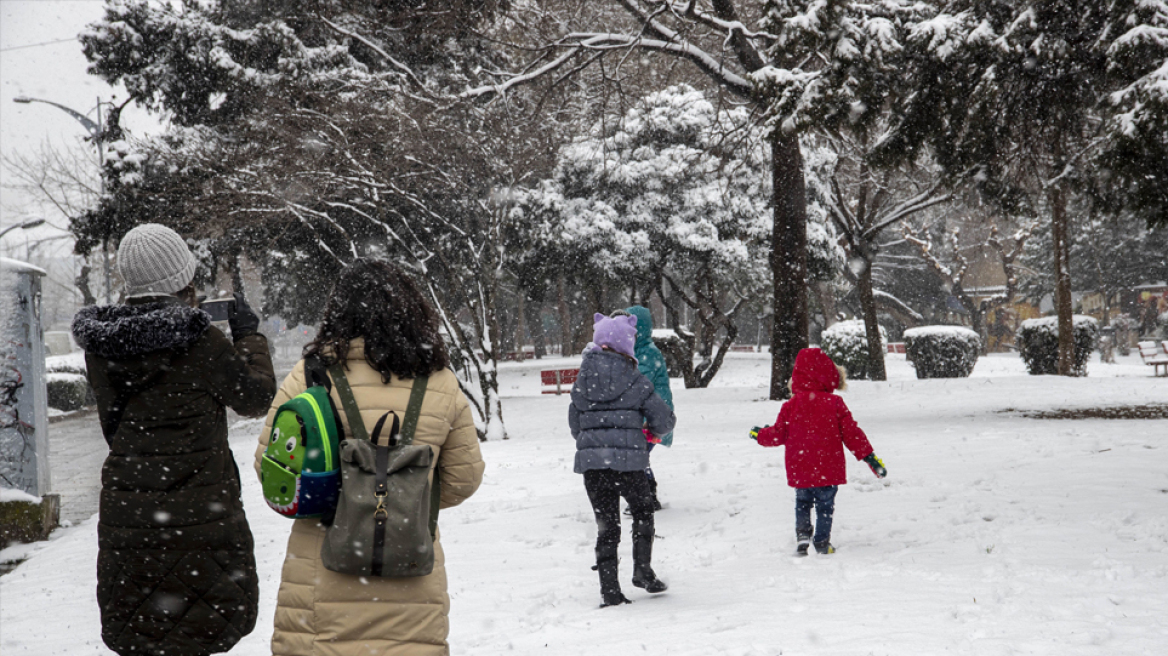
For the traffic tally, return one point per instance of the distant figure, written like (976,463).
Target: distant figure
(815,425)
(176,570)
(611,404)
(651,362)
(384,332)
(1149,314)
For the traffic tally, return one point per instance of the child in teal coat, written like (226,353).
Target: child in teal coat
(651,363)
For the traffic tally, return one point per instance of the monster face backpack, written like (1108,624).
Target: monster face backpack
(300,469)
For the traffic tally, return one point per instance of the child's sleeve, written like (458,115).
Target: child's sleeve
(850,433)
(775,435)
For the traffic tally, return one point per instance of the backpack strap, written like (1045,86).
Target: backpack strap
(409,426)
(348,402)
(414,409)
(381,486)
(316,374)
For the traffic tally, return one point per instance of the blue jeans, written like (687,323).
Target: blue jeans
(823,498)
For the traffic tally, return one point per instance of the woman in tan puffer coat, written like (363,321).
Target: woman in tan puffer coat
(386,334)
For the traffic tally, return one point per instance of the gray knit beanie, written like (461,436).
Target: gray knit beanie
(153,259)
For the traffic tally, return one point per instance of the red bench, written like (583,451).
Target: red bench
(559,378)
(741,348)
(896,347)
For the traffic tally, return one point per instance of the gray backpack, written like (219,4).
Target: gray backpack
(387,513)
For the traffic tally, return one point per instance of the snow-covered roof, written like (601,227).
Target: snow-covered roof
(8,264)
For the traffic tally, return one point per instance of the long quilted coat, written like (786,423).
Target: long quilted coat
(323,613)
(815,425)
(651,362)
(176,569)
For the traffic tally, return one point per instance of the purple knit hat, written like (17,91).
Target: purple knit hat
(617,333)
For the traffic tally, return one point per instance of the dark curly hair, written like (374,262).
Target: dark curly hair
(378,301)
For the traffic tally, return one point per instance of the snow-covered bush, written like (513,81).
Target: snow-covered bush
(942,351)
(70,363)
(68,391)
(669,343)
(68,388)
(847,344)
(1037,342)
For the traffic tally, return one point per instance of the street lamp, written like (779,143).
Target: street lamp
(97,135)
(22,226)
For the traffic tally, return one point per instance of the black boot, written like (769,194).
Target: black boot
(608,566)
(643,576)
(653,493)
(804,541)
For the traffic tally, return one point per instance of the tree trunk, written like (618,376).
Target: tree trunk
(491,401)
(534,319)
(826,302)
(566,347)
(1062,277)
(871,324)
(788,259)
(82,282)
(520,325)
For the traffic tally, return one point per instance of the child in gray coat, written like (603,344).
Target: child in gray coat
(611,402)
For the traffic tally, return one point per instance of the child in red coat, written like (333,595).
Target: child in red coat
(815,425)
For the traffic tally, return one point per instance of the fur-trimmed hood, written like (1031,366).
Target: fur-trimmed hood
(121,332)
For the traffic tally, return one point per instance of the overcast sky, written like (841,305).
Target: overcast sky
(41,57)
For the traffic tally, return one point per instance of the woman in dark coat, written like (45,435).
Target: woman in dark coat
(176,569)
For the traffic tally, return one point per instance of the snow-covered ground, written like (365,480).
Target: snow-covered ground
(993,534)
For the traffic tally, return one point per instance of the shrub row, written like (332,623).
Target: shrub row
(942,351)
(1037,342)
(846,343)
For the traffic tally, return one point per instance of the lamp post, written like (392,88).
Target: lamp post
(22,226)
(96,134)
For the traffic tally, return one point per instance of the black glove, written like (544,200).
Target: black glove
(876,465)
(242,319)
(755,431)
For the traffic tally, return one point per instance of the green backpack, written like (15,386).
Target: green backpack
(300,468)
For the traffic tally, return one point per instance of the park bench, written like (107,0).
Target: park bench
(741,348)
(1155,355)
(896,347)
(559,378)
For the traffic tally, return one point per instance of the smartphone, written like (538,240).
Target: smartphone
(218,309)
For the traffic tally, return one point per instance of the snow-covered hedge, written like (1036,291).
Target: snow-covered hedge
(669,343)
(846,343)
(68,388)
(1037,342)
(942,351)
(68,391)
(70,363)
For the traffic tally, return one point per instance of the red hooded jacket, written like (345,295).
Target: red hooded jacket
(815,425)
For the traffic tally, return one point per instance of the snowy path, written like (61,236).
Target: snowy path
(994,533)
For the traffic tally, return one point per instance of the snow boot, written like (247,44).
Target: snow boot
(653,493)
(804,541)
(608,566)
(824,548)
(643,576)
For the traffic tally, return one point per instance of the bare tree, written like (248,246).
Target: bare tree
(952,265)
